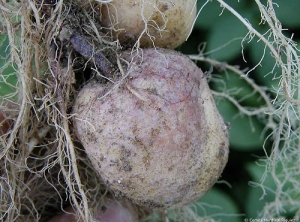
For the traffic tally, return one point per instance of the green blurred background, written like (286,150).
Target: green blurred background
(218,29)
(213,29)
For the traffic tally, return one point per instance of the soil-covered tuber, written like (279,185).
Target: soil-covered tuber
(164,24)
(156,137)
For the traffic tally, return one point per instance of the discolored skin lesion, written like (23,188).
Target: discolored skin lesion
(160,148)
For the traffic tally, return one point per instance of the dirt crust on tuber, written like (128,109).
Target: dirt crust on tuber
(156,137)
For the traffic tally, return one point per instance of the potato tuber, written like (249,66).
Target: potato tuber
(156,137)
(152,23)
(110,210)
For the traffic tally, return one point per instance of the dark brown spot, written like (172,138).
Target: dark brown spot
(163,7)
(126,166)
(150,203)
(222,150)
(125,153)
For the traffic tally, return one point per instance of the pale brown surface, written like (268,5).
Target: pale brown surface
(158,138)
(159,23)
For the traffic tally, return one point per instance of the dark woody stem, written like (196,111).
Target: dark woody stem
(88,51)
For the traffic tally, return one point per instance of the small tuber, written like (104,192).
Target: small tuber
(151,23)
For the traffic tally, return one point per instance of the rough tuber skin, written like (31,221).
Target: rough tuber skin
(157,138)
(160,23)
